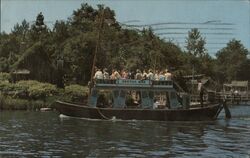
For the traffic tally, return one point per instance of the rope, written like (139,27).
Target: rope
(103,116)
(218,112)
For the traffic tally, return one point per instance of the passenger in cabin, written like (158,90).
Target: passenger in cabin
(105,74)
(168,75)
(156,103)
(98,74)
(150,75)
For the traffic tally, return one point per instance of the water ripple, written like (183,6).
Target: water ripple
(35,134)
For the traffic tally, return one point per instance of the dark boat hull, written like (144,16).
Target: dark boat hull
(193,114)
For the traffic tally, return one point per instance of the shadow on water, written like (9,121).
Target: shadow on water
(46,134)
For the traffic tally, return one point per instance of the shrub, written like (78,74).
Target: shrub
(4,76)
(6,87)
(28,89)
(41,90)
(2,101)
(15,104)
(75,93)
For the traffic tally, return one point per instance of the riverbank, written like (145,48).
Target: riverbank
(8,103)
(34,95)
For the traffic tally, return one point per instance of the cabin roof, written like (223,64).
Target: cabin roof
(203,81)
(21,71)
(193,76)
(237,84)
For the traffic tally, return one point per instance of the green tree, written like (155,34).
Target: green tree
(195,43)
(230,60)
(243,72)
(21,29)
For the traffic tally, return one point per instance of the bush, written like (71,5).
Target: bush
(33,94)
(28,89)
(15,104)
(2,101)
(75,93)
(41,90)
(9,103)
(4,76)
(5,86)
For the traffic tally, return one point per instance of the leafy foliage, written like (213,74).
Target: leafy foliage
(231,61)
(4,76)
(73,41)
(28,89)
(75,93)
(195,43)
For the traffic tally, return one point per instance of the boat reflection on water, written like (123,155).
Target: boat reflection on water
(135,137)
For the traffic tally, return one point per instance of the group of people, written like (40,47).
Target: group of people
(138,74)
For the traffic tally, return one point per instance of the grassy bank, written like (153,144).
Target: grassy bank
(34,95)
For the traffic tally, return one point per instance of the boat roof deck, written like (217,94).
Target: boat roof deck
(133,84)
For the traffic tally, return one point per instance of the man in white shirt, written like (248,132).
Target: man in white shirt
(98,74)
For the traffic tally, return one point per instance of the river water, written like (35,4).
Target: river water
(45,134)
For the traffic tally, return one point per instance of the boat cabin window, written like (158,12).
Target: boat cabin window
(126,93)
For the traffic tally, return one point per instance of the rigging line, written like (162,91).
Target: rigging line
(102,115)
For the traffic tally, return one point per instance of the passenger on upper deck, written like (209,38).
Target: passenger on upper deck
(115,75)
(105,74)
(138,75)
(156,75)
(144,75)
(161,76)
(150,74)
(124,74)
(168,75)
(98,74)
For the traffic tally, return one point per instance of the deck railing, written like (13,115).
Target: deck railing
(231,98)
(123,83)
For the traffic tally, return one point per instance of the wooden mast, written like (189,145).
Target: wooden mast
(96,49)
